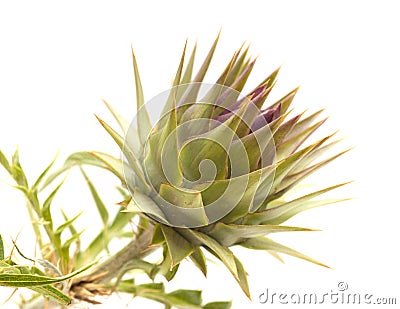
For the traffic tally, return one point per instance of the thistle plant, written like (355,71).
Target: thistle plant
(203,168)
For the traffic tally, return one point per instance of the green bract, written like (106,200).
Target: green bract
(210,167)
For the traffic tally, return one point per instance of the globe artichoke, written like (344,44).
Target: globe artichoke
(210,167)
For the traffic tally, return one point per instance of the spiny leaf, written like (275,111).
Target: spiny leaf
(72,229)
(178,247)
(199,260)
(122,122)
(218,305)
(302,125)
(44,173)
(171,300)
(187,76)
(185,206)
(242,277)
(223,253)
(271,79)
(236,68)
(284,130)
(158,236)
(230,234)
(143,119)
(137,264)
(165,268)
(52,292)
(190,296)
(286,101)
(192,91)
(291,144)
(4,162)
(17,172)
(311,156)
(93,158)
(292,179)
(223,79)
(65,225)
(133,162)
(204,67)
(279,214)
(263,243)
(46,213)
(29,280)
(1,249)
(289,163)
(101,208)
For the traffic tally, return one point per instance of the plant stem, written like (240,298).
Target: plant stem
(110,269)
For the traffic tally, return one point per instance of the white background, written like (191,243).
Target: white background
(57,60)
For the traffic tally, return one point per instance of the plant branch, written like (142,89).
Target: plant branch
(110,269)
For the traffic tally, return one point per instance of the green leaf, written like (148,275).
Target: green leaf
(187,76)
(52,292)
(279,214)
(1,249)
(132,160)
(44,173)
(65,225)
(122,122)
(234,68)
(29,280)
(165,268)
(242,278)
(263,243)
(71,228)
(310,157)
(4,162)
(178,247)
(241,80)
(97,159)
(270,81)
(190,296)
(199,260)
(230,234)
(143,203)
(136,264)
(192,91)
(179,300)
(223,253)
(253,147)
(204,67)
(213,146)
(292,179)
(17,172)
(185,206)
(286,101)
(69,242)
(129,286)
(284,130)
(46,213)
(143,119)
(304,124)
(166,140)
(291,144)
(288,164)
(237,192)
(101,208)
(218,305)
(158,236)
